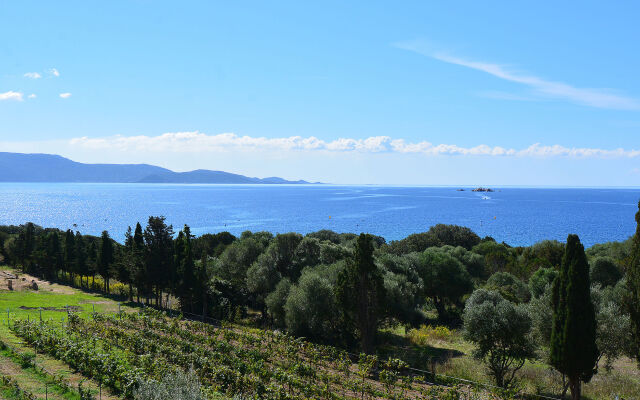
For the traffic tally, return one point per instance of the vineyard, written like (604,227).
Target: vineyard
(119,350)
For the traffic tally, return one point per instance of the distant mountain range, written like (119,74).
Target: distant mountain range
(19,167)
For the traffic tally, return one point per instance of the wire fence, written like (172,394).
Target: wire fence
(437,378)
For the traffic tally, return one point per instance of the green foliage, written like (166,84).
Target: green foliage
(573,337)
(438,235)
(633,283)
(510,287)
(618,251)
(361,293)
(445,279)
(497,257)
(175,385)
(540,280)
(310,309)
(276,301)
(404,289)
(501,332)
(604,271)
(541,313)
(544,254)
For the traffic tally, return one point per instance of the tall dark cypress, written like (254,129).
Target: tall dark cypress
(69,253)
(573,338)
(81,258)
(633,281)
(105,259)
(53,256)
(360,290)
(138,266)
(185,269)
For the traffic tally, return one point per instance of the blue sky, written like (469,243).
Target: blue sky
(502,93)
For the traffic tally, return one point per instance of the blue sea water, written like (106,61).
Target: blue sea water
(518,216)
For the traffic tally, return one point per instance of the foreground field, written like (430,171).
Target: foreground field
(91,346)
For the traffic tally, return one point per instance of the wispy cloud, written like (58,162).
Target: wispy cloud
(65,95)
(54,72)
(32,96)
(197,142)
(598,98)
(33,75)
(11,95)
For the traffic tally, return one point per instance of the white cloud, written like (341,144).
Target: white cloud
(33,75)
(11,95)
(197,142)
(598,98)
(65,95)
(54,72)
(32,96)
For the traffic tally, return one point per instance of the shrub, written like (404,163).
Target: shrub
(427,334)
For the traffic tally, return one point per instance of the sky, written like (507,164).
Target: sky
(437,93)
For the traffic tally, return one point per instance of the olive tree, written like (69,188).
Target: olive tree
(445,279)
(501,331)
(509,286)
(604,272)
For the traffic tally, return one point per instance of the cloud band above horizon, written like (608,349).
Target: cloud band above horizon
(197,142)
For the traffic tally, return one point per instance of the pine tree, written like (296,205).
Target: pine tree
(185,269)
(360,290)
(633,281)
(573,338)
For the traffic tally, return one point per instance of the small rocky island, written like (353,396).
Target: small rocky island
(481,189)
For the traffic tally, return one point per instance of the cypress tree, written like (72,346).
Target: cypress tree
(138,266)
(633,281)
(573,338)
(360,289)
(69,253)
(105,259)
(81,258)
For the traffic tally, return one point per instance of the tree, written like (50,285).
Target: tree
(138,264)
(633,282)
(310,309)
(540,280)
(276,300)
(53,255)
(158,238)
(404,289)
(81,258)
(26,244)
(69,253)
(510,287)
(445,279)
(105,259)
(604,272)
(614,324)
(360,291)
(501,332)
(262,278)
(573,336)
(186,269)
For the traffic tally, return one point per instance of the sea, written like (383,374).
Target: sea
(517,216)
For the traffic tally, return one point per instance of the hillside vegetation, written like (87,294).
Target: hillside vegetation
(327,314)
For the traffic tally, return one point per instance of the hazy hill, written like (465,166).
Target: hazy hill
(18,167)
